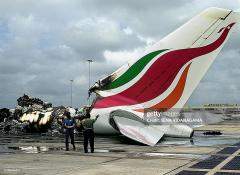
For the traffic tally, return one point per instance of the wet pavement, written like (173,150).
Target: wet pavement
(42,154)
(37,143)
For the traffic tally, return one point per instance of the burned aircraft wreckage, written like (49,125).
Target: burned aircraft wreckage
(33,115)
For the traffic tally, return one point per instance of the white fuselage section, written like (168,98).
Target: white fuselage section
(102,126)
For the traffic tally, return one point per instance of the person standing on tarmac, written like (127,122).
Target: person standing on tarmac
(88,132)
(69,124)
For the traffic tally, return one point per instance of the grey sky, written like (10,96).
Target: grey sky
(44,44)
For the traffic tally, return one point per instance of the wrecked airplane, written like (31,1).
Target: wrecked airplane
(162,79)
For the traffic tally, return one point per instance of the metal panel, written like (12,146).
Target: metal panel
(185,172)
(226,173)
(210,162)
(228,150)
(234,164)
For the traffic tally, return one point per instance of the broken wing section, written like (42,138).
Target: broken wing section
(133,127)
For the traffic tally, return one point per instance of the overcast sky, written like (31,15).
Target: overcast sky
(45,43)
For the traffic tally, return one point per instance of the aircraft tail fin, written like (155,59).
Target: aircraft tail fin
(166,74)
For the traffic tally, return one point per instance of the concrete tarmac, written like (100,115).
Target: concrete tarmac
(41,155)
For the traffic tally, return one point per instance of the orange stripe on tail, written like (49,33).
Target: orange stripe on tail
(173,97)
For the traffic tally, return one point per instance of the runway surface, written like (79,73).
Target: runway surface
(42,154)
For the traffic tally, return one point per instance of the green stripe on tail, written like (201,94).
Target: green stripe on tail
(132,72)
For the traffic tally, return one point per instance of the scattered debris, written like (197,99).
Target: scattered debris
(26,101)
(33,115)
(212,133)
(13,127)
(4,114)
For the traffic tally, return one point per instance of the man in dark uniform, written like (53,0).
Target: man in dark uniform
(88,132)
(69,124)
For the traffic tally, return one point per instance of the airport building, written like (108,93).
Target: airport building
(215,108)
